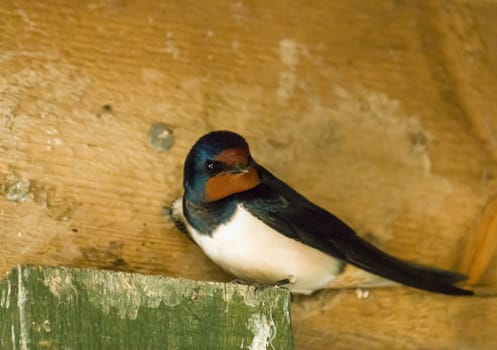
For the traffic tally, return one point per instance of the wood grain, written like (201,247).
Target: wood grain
(480,251)
(382,113)
(59,308)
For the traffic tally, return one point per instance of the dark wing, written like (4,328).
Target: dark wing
(288,212)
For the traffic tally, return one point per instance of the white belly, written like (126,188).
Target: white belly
(253,251)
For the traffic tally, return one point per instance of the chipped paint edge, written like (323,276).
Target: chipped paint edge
(137,290)
(21,303)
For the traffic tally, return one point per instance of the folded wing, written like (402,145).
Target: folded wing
(280,207)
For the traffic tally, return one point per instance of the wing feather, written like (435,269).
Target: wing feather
(285,210)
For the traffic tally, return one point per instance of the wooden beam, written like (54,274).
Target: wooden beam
(60,308)
(482,245)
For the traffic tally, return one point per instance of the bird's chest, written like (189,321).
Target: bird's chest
(251,250)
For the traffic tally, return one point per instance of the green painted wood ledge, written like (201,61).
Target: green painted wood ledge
(66,308)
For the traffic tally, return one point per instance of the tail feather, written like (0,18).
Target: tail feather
(417,276)
(438,274)
(414,275)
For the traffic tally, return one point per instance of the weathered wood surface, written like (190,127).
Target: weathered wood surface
(382,112)
(60,308)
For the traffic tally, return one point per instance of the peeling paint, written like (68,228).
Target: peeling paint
(13,335)
(21,303)
(126,293)
(5,298)
(249,296)
(45,343)
(46,326)
(59,283)
(263,330)
(128,296)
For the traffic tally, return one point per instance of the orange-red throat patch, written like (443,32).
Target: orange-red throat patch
(225,184)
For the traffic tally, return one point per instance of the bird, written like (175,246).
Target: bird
(261,230)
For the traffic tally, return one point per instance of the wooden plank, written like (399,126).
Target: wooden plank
(60,308)
(394,318)
(482,246)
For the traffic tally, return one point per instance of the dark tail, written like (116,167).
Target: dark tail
(414,275)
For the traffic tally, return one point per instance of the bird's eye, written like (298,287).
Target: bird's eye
(211,166)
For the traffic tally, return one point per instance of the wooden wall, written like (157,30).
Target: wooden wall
(383,112)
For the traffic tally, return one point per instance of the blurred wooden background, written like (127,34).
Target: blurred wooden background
(383,112)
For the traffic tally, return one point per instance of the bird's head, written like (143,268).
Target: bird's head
(219,165)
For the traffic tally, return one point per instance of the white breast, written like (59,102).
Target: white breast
(253,251)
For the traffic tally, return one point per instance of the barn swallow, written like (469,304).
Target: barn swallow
(261,230)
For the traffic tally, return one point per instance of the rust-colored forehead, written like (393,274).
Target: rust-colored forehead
(233,156)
